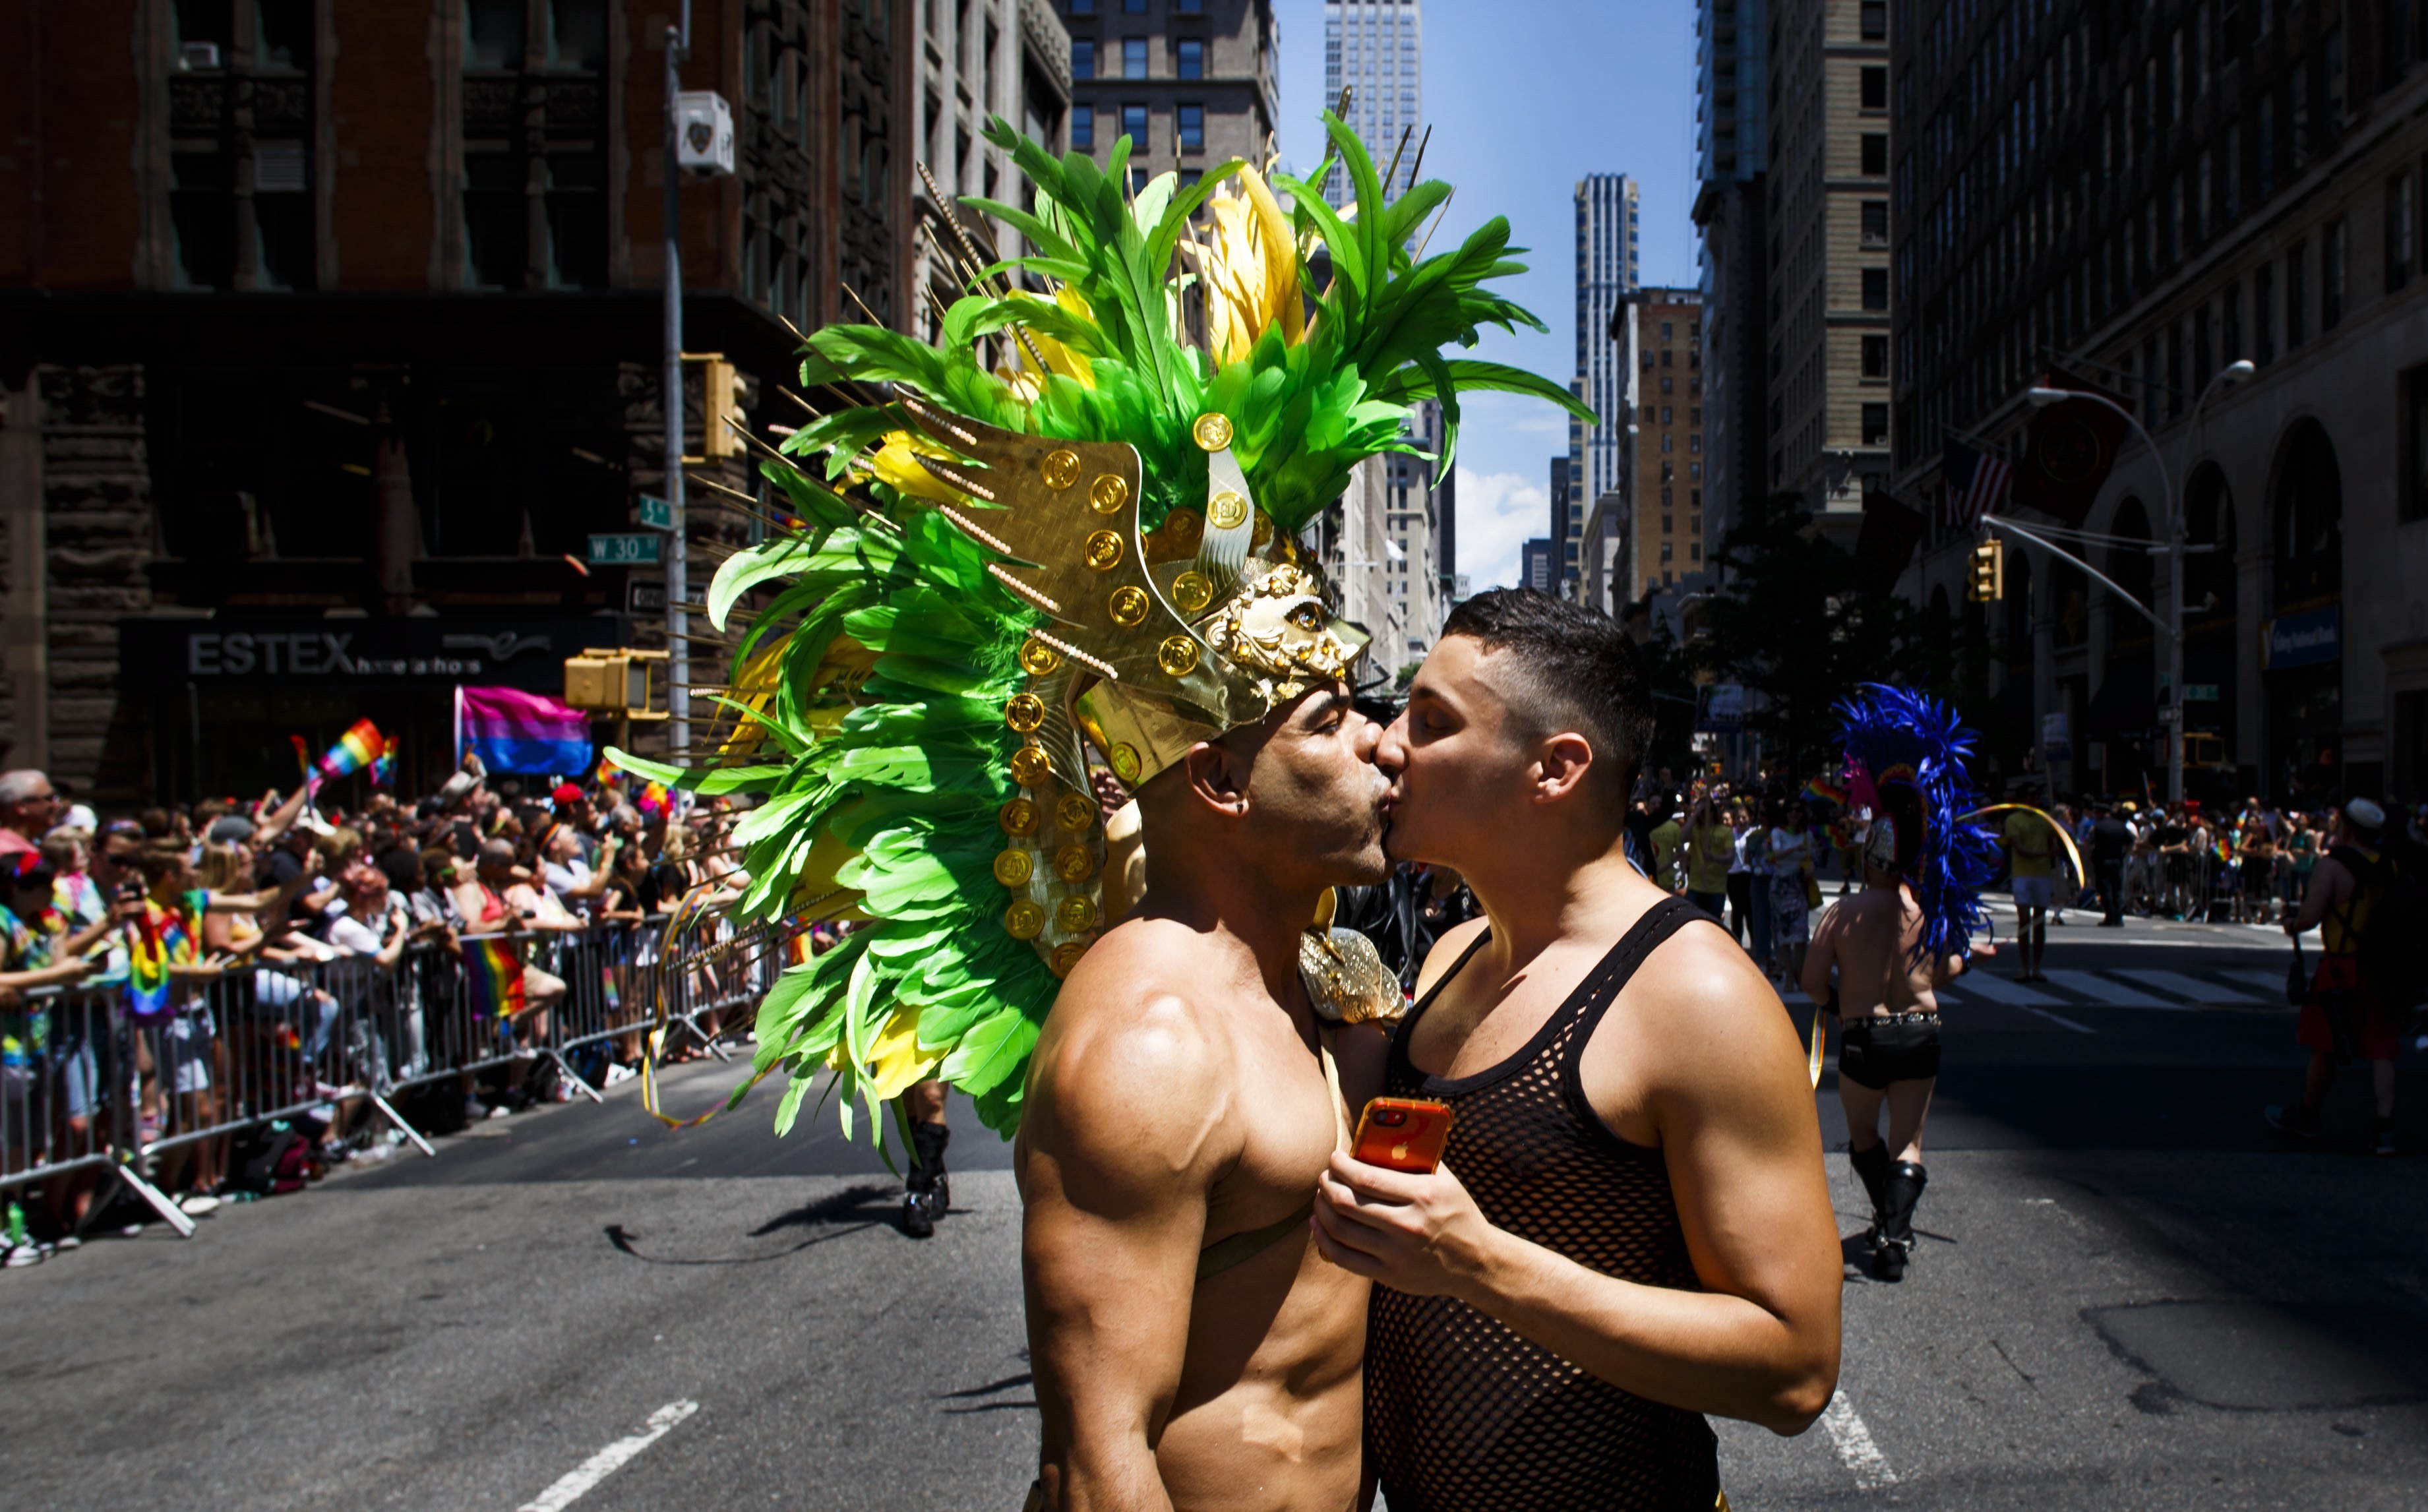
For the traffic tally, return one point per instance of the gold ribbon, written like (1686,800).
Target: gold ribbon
(1820,1039)
(2072,855)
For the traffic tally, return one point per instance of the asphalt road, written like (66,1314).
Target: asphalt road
(2129,1295)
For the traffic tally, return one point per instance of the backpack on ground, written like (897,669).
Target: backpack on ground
(281,1163)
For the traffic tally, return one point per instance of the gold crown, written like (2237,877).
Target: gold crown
(1151,641)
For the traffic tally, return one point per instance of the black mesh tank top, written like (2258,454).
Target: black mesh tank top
(1461,1414)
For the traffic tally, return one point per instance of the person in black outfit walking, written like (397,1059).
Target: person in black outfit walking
(2111,840)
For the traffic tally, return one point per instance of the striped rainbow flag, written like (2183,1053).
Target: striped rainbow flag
(493,974)
(357,748)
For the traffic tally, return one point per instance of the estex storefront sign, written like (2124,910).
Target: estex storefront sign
(161,655)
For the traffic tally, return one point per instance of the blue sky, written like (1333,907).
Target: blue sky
(1525,97)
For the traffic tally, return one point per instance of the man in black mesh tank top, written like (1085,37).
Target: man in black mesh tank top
(1631,1226)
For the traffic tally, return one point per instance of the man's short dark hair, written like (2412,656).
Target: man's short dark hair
(1574,669)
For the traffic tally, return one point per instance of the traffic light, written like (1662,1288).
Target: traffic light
(1987,582)
(721,395)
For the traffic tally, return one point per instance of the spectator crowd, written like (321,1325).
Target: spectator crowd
(171,979)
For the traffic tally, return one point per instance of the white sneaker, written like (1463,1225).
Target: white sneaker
(617,1074)
(500,1111)
(200,1205)
(18,1258)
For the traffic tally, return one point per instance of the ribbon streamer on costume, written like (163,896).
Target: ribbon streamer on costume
(2072,855)
(1820,1040)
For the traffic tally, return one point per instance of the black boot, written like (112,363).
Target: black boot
(1903,1192)
(926,1194)
(1872,1167)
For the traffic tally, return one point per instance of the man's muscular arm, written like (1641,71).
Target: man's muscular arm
(1129,1122)
(1724,1085)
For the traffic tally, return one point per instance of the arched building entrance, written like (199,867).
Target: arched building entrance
(2304,648)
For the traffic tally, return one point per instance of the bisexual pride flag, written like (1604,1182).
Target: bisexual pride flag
(512,730)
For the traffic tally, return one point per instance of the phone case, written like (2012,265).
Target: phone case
(1402,1134)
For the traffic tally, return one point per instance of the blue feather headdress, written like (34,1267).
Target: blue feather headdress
(1906,758)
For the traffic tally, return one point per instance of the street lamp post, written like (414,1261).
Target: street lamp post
(671,401)
(2176,546)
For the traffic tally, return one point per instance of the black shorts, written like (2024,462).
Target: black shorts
(1873,1052)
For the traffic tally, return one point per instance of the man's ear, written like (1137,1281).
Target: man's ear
(1217,777)
(1561,766)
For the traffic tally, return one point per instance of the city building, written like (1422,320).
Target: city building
(1535,561)
(1353,540)
(1375,50)
(1606,273)
(333,337)
(1566,520)
(1191,83)
(1420,514)
(2137,199)
(1825,185)
(1732,147)
(1663,533)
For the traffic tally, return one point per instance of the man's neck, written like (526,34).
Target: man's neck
(1241,909)
(1533,899)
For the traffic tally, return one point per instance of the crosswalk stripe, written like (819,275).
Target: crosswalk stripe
(2266,981)
(2189,987)
(1999,990)
(2106,993)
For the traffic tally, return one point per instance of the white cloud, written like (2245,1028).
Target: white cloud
(1498,513)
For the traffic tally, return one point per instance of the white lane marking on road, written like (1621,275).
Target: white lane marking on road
(2266,981)
(1854,1444)
(1999,990)
(580,1481)
(2106,993)
(2062,1019)
(2189,987)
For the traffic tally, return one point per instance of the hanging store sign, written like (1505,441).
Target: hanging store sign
(224,653)
(2312,638)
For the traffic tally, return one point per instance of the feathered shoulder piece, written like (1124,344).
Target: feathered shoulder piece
(1059,541)
(1906,761)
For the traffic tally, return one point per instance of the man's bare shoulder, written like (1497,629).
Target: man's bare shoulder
(1448,951)
(1701,1016)
(1134,1079)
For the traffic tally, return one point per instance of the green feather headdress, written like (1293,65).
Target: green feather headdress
(940,658)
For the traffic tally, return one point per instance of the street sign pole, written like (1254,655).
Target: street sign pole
(677,577)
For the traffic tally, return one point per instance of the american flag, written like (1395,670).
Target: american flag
(1972,484)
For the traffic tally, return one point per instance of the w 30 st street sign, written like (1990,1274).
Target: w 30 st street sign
(634,550)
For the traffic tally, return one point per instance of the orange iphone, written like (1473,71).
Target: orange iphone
(1402,1134)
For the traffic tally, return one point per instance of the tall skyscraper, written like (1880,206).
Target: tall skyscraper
(1664,542)
(1606,273)
(1375,48)
(1732,159)
(1190,82)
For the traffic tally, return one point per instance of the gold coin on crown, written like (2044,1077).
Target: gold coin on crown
(1108,493)
(1061,469)
(1074,863)
(1128,606)
(1018,817)
(1075,813)
(1226,510)
(1124,760)
(1212,432)
(1191,592)
(1025,713)
(1264,530)
(1031,767)
(1177,656)
(1037,659)
(1012,868)
(1184,526)
(1074,915)
(1103,550)
(1066,956)
(1023,920)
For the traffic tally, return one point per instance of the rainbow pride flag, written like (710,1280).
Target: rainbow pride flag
(1821,792)
(384,764)
(360,745)
(493,974)
(302,754)
(160,939)
(512,730)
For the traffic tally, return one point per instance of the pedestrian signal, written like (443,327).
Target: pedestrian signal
(1987,582)
(721,391)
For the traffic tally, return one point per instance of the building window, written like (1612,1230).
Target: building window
(1876,21)
(202,219)
(1190,63)
(1876,155)
(1876,356)
(2331,276)
(1875,222)
(2230,315)
(1133,7)
(1134,126)
(1083,128)
(1190,125)
(1188,7)
(2398,232)
(1083,58)
(1875,288)
(1083,8)
(1875,425)
(1667,522)
(2296,329)
(2263,311)
(1876,89)
(1133,58)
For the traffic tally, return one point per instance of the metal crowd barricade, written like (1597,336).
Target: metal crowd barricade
(84,1086)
